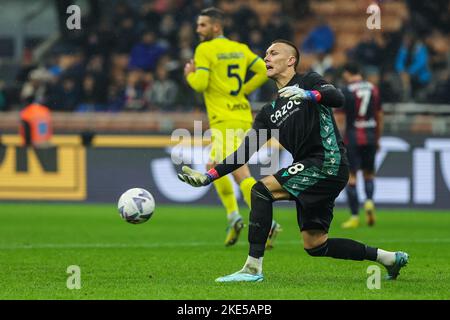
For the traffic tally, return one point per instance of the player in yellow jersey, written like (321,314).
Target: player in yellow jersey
(218,71)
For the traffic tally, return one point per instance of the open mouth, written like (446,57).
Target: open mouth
(269,67)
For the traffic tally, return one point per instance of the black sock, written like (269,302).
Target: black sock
(352,196)
(369,186)
(260,219)
(344,249)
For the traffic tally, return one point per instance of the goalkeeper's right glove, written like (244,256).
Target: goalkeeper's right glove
(297,93)
(195,178)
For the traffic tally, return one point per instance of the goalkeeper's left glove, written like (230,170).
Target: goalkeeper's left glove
(195,178)
(296,93)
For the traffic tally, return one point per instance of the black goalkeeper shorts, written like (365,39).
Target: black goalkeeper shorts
(314,190)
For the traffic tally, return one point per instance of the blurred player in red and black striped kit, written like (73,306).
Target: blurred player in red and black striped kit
(361,123)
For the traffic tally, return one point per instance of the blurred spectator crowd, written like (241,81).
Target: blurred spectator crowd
(131,58)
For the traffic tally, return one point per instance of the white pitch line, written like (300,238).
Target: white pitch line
(183,244)
(102,245)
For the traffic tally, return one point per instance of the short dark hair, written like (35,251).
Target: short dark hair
(214,13)
(291,44)
(352,67)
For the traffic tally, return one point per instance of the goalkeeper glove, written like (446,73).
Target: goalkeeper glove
(296,93)
(195,178)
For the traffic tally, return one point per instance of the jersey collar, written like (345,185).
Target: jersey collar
(294,80)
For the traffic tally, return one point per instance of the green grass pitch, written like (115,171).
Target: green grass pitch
(180,251)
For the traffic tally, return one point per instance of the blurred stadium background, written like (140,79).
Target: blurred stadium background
(116,92)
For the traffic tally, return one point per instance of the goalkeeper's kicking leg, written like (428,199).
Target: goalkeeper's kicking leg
(314,227)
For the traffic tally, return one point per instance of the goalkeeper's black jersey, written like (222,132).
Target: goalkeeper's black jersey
(304,128)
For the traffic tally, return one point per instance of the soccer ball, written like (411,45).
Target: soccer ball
(136,205)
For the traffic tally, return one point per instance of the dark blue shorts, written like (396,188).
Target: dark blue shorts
(361,157)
